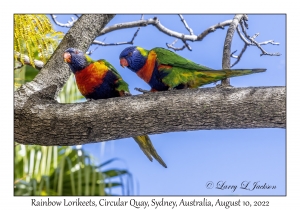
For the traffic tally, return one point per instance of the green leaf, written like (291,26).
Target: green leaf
(108,162)
(115,172)
(30,73)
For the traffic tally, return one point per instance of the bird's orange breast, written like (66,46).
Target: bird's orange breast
(91,77)
(146,72)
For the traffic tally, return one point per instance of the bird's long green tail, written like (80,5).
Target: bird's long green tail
(197,78)
(203,77)
(211,75)
(241,72)
(146,146)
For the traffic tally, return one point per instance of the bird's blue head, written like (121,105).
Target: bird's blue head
(133,58)
(76,59)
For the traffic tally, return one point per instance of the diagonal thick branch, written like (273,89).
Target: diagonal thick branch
(51,123)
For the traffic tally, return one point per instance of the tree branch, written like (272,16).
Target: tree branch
(18,66)
(179,48)
(186,25)
(238,58)
(253,42)
(51,123)
(119,43)
(227,47)
(38,64)
(173,47)
(68,25)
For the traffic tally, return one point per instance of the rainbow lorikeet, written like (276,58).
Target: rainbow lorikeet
(100,80)
(163,69)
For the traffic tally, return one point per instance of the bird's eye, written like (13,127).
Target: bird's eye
(76,52)
(130,54)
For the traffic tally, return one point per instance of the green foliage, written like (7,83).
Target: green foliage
(70,92)
(41,170)
(35,37)
(24,74)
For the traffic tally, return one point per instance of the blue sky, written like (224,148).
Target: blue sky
(194,158)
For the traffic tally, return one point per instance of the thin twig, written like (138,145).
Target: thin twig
(232,54)
(181,48)
(173,43)
(248,43)
(175,48)
(186,44)
(37,64)
(239,56)
(213,28)
(135,34)
(243,50)
(91,51)
(245,19)
(227,47)
(269,42)
(142,90)
(253,42)
(20,65)
(118,43)
(68,25)
(110,44)
(241,35)
(186,25)
(262,50)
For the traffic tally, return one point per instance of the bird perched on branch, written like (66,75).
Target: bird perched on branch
(163,69)
(100,80)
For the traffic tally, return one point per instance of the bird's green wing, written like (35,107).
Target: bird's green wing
(196,78)
(121,84)
(180,71)
(167,57)
(111,67)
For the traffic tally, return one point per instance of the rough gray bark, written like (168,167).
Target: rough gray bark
(46,122)
(39,119)
(227,46)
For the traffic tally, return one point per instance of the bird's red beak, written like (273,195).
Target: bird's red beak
(67,57)
(123,62)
